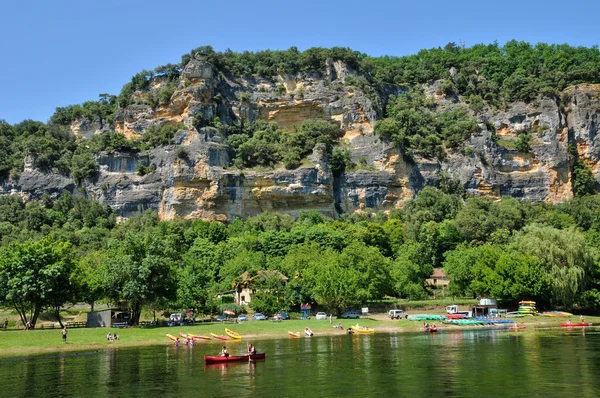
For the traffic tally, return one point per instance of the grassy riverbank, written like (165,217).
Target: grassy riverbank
(20,343)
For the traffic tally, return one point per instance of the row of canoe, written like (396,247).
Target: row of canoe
(230,335)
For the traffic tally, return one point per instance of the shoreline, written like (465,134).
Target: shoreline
(16,344)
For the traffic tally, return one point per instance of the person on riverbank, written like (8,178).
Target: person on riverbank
(64,334)
(6,323)
(176,342)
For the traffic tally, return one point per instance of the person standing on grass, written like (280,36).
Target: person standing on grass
(64,334)
(6,323)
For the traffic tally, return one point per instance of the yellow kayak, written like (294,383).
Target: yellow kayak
(362,330)
(294,334)
(171,337)
(232,334)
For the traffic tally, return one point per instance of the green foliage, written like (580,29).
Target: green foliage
(156,136)
(564,256)
(112,141)
(584,182)
(523,139)
(34,275)
(414,126)
(139,269)
(265,144)
(83,166)
(144,167)
(340,161)
(508,249)
(102,110)
(182,154)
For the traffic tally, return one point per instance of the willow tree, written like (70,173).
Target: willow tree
(563,254)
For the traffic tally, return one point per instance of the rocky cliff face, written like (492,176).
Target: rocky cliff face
(203,184)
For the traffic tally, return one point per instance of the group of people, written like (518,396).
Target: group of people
(428,327)
(112,337)
(581,320)
(28,325)
(251,351)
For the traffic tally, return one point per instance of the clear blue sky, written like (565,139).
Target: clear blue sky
(57,53)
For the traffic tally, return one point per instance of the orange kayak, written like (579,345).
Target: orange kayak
(219,336)
(199,337)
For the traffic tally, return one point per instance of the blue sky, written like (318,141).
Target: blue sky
(57,53)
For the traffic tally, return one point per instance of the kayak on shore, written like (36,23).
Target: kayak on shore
(233,334)
(199,337)
(294,334)
(232,358)
(219,336)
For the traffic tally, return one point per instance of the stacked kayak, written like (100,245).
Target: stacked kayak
(232,358)
(427,317)
(527,308)
(463,322)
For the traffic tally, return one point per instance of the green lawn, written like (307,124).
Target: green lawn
(19,342)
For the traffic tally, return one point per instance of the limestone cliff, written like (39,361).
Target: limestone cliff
(203,184)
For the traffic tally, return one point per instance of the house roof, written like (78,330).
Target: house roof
(438,273)
(264,274)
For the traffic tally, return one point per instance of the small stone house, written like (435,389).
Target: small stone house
(243,289)
(438,279)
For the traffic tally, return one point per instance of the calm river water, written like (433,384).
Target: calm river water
(480,363)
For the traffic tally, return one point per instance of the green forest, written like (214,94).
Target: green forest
(70,250)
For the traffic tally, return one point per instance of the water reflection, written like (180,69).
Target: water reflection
(464,363)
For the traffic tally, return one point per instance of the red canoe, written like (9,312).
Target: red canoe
(232,358)
(575,325)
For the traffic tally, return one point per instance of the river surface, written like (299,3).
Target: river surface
(478,363)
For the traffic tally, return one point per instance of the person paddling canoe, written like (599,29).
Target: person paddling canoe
(224,352)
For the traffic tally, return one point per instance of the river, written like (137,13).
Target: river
(458,363)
